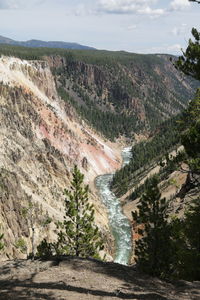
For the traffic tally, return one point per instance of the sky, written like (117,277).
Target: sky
(140,26)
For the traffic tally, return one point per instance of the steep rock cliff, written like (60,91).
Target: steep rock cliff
(41,138)
(131,92)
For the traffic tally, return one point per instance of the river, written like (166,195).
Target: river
(119,224)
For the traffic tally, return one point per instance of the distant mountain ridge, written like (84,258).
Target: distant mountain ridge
(38,43)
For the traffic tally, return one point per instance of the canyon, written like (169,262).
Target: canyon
(44,131)
(41,140)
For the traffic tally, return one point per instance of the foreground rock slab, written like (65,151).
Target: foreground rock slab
(82,279)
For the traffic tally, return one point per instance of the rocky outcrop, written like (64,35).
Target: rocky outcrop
(142,86)
(42,137)
(40,141)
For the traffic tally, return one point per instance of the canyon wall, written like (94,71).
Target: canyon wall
(41,138)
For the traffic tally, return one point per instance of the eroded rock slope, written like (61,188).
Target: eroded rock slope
(41,138)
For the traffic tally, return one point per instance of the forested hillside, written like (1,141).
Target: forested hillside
(146,155)
(122,93)
(183,129)
(169,224)
(166,206)
(117,93)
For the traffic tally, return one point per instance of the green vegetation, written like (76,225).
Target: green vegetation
(180,235)
(189,62)
(186,243)
(95,57)
(192,234)
(153,257)
(168,247)
(169,165)
(78,235)
(83,235)
(187,230)
(191,133)
(34,53)
(109,95)
(145,155)
(114,100)
(110,124)
(46,250)
(21,245)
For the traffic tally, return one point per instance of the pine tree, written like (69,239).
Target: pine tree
(189,62)
(192,237)
(82,235)
(78,235)
(186,243)
(191,133)
(153,248)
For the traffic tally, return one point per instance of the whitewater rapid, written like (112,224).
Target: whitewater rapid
(119,224)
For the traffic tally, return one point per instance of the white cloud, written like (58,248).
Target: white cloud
(177,5)
(81,10)
(174,48)
(132,27)
(153,13)
(166,49)
(180,30)
(130,7)
(17,4)
(9,4)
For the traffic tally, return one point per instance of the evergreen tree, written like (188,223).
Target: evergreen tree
(78,234)
(192,237)
(186,243)
(189,62)
(191,133)
(153,248)
(186,232)
(83,236)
